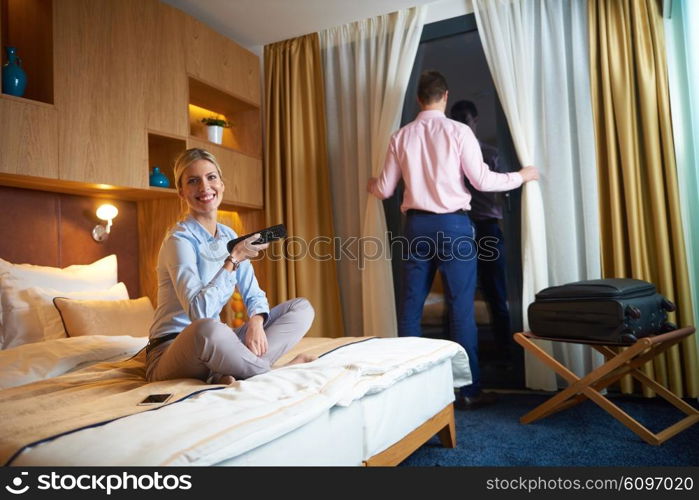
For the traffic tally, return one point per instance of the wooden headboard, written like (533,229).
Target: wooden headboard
(54,229)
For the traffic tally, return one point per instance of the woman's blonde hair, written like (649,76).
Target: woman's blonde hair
(188,157)
(184,160)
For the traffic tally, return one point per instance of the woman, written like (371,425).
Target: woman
(196,278)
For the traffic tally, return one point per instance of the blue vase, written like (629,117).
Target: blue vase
(158,179)
(14,79)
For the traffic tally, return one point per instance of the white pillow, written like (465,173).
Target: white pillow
(99,275)
(30,315)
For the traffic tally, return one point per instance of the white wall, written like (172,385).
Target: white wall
(446,9)
(436,11)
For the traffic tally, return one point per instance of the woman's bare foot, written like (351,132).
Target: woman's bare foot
(223,379)
(301,358)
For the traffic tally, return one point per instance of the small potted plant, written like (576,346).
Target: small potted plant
(214,128)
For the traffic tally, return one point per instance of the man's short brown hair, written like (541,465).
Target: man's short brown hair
(431,87)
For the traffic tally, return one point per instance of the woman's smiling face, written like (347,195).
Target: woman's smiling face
(202,187)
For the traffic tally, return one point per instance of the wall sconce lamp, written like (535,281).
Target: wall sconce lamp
(106,212)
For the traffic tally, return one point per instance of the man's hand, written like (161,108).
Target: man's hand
(255,336)
(371,185)
(529,173)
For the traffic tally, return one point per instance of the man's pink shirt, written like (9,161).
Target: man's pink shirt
(432,154)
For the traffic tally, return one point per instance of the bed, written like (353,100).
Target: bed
(371,402)
(366,402)
(72,375)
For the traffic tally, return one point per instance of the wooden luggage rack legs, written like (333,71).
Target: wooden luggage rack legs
(616,366)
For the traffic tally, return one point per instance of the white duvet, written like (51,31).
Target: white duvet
(215,425)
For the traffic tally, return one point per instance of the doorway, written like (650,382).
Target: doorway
(453,48)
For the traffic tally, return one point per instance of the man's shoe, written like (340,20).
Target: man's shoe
(475,402)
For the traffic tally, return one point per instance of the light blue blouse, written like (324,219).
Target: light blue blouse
(192,283)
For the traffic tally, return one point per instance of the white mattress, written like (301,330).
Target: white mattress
(351,434)
(339,429)
(391,414)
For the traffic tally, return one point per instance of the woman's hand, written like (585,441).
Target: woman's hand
(246,250)
(255,336)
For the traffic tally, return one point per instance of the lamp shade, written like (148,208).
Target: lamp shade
(107,212)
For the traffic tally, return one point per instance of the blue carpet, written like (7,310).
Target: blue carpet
(584,435)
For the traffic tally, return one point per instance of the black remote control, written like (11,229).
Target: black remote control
(266,235)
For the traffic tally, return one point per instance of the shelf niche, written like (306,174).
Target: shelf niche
(162,153)
(28,26)
(245,135)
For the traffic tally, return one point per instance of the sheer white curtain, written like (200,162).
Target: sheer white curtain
(367,65)
(538,55)
(682,44)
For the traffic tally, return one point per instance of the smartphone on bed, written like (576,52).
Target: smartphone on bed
(155,399)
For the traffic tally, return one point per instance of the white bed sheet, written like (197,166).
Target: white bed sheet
(348,435)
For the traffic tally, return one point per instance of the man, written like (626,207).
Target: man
(432,154)
(486,214)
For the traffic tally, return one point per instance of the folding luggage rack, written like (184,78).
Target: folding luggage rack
(617,365)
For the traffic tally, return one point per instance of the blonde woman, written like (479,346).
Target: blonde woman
(196,278)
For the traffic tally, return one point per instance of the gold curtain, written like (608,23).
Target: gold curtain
(297,188)
(641,229)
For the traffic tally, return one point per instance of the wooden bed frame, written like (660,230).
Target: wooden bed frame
(441,424)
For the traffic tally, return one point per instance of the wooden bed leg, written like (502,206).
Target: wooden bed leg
(447,436)
(441,424)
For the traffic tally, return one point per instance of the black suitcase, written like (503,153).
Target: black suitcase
(611,311)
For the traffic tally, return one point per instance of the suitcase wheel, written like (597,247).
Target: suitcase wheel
(668,305)
(628,338)
(633,312)
(668,327)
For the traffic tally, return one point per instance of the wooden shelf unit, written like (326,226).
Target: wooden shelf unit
(29,144)
(242,175)
(162,152)
(28,26)
(78,55)
(84,188)
(245,134)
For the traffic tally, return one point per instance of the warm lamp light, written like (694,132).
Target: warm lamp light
(106,212)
